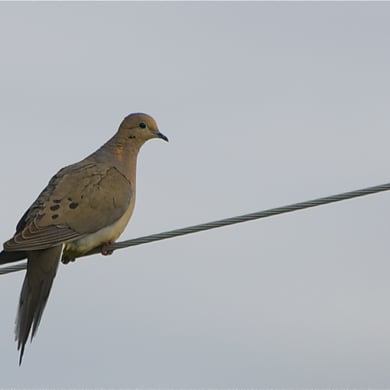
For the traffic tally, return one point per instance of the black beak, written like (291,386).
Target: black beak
(162,136)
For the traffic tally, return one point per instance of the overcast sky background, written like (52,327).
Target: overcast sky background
(265,104)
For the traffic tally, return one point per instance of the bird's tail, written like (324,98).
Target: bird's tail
(9,257)
(41,269)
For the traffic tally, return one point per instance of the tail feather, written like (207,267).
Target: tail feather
(41,269)
(10,257)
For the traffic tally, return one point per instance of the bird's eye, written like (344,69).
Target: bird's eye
(142,125)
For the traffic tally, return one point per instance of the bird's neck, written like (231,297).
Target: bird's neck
(123,155)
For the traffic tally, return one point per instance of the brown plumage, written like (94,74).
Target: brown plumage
(84,206)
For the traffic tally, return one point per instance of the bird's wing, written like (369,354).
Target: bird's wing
(80,199)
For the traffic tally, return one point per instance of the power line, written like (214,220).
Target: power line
(226,222)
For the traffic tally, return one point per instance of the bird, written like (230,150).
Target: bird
(85,205)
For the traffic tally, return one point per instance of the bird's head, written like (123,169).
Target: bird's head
(140,128)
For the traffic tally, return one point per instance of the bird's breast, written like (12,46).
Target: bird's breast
(107,234)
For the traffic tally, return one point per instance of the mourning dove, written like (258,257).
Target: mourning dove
(84,206)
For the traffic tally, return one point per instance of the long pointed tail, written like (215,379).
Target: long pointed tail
(41,269)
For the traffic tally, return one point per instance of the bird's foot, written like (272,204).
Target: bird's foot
(104,250)
(67,259)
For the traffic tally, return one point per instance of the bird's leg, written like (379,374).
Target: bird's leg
(104,251)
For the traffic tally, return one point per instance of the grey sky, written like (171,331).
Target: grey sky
(265,104)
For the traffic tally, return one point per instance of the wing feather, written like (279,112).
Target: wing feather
(79,200)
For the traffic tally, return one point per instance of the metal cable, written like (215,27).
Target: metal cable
(226,222)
